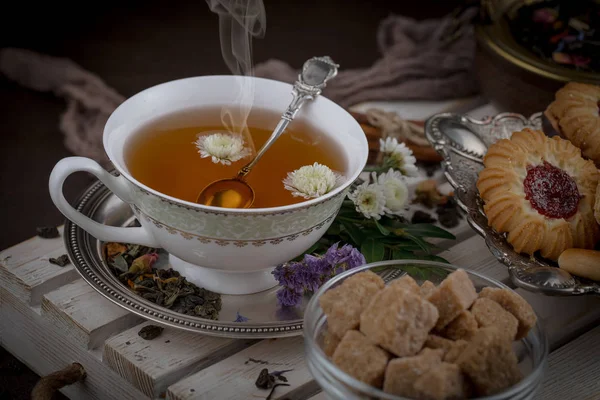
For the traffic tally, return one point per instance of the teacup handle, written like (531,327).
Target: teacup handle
(117,185)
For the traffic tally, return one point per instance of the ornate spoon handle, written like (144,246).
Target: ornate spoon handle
(311,81)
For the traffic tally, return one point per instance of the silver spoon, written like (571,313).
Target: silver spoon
(235,192)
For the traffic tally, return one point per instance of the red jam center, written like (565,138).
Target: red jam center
(551,191)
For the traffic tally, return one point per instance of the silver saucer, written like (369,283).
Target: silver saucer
(462,142)
(265,318)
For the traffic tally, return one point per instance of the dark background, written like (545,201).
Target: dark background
(133,45)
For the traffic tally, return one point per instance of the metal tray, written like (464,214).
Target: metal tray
(462,142)
(266,318)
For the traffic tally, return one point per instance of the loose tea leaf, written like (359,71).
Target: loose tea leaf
(449,214)
(47,232)
(60,261)
(265,380)
(119,263)
(273,390)
(255,361)
(150,332)
(132,264)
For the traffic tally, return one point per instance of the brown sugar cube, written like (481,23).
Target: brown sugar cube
(330,343)
(490,362)
(401,373)
(343,304)
(426,288)
(514,304)
(441,382)
(455,294)
(361,359)
(462,327)
(438,342)
(452,348)
(455,351)
(408,283)
(398,320)
(489,313)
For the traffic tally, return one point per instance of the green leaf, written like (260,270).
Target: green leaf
(418,241)
(427,230)
(355,233)
(398,254)
(431,257)
(384,231)
(373,250)
(334,229)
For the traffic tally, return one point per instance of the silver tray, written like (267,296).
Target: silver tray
(266,318)
(462,142)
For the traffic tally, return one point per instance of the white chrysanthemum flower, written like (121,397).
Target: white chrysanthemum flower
(398,156)
(311,181)
(224,148)
(395,190)
(369,200)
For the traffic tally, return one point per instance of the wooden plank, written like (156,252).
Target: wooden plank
(45,348)
(153,365)
(563,318)
(319,396)
(235,377)
(85,315)
(26,272)
(573,370)
(473,254)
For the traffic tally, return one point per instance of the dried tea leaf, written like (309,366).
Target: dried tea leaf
(119,263)
(60,261)
(150,332)
(47,232)
(114,249)
(273,390)
(265,380)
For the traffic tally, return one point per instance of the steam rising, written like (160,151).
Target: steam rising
(239,22)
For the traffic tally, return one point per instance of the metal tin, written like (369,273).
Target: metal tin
(511,76)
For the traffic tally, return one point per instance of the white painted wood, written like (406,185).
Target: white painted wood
(152,365)
(26,272)
(85,315)
(473,254)
(320,396)
(45,348)
(234,378)
(574,370)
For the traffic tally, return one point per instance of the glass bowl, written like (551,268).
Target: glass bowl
(532,351)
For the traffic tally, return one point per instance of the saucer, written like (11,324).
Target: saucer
(265,319)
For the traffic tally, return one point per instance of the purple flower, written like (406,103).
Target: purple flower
(288,297)
(344,258)
(287,274)
(312,272)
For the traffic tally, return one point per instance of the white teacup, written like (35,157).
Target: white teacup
(229,251)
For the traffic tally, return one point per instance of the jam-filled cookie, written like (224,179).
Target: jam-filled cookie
(575,114)
(541,192)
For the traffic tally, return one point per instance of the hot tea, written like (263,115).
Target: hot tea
(165,155)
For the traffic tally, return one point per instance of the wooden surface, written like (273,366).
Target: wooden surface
(183,365)
(50,318)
